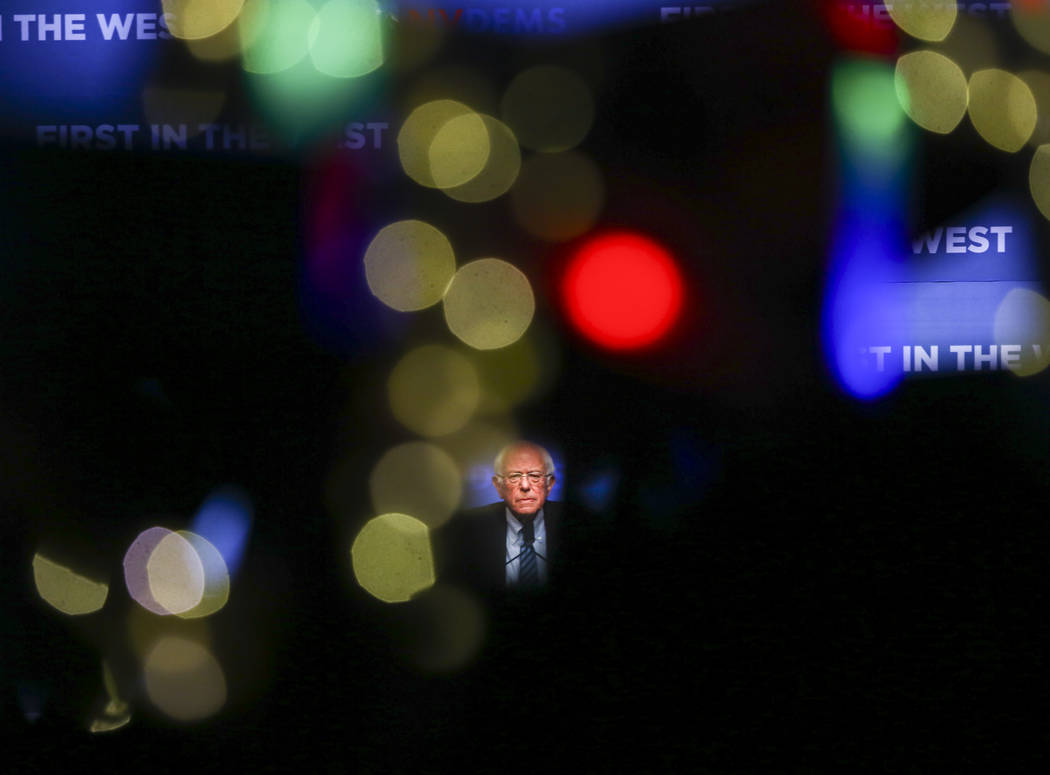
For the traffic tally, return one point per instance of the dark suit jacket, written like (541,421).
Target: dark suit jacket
(471,548)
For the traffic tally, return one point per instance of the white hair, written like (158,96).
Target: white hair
(548,461)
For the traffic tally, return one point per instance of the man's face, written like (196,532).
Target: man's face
(524,497)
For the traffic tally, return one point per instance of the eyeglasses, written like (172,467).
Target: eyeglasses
(534,477)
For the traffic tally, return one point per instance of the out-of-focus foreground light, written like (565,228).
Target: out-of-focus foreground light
(392,559)
(489,304)
(923,19)
(622,291)
(193,19)
(223,46)
(225,520)
(447,628)
(865,105)
(549,108)
(470,156)
(859,314)
(183,679)
(137,576)
(1032,20)
(116,713)
(1039,179)
(1002,108)
(417,135)
(275,35)
(216,591)
(500,170)
(433,390)
(175,573)
(408,265)
(1039,83)
(853,29)
(459,150)
(66,590)
(558,196)
(868,240)
(416,478)
(345,39)
(1024,316)
(509,375)
(932,89)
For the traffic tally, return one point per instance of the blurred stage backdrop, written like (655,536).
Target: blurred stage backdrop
(767,278)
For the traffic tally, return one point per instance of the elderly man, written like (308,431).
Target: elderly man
(510,543)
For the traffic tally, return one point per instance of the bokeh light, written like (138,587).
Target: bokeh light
(417,134)
(549,108)
(416,478)
(459,150)
(110,720)
(193,19)
(1031,18)
(1023,318)
(865,104)
(392,559)
(145,629)
(114,716)
(163,572)
(216,589)
(923,19)
(1002,108)
(508,375)
(221,47)
(622,290)
(183,679)
(1039,179)
(65,589)
(501,168)
(274,35)
(345,38)
(489,304)
(176,574)
(433,390)
(1039,83)
(116,712)
(558,196)
(136,576)
(225,520)
(408,265)
(932,89)
(855,31)
(447,629)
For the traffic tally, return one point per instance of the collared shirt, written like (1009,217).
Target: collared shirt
(515,545)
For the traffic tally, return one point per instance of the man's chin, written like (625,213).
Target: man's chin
(526,509)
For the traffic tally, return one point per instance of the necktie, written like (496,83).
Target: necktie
(528,573)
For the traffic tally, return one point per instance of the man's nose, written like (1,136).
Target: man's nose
(525,483)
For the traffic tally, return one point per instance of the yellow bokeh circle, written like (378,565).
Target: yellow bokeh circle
(489,304)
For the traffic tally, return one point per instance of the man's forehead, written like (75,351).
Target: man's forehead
(523,458)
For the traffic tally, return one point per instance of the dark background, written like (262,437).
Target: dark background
(786,579)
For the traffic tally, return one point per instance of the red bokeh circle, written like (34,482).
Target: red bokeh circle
(622,291)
